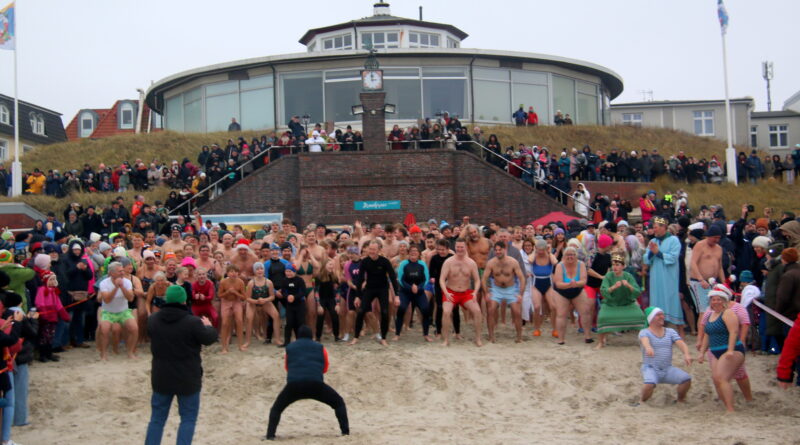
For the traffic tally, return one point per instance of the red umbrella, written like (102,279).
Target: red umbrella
(410,220)
(553,217)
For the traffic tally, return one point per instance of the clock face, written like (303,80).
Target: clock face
(372,79)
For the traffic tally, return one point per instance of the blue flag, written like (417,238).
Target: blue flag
(723,16)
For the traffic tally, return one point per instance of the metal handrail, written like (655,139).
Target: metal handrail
(454,141)
(240,168)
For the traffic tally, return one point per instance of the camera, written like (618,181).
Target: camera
(750,208)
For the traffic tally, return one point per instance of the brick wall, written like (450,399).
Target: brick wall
(373,125)
(440,184)
(16,221)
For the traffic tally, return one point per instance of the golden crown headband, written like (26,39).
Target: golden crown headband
(660,220)
(617,258)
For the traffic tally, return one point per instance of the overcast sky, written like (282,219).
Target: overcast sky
(88,53)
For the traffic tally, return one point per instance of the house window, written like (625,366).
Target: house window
(86,124)
(381,40)
(126,110)
(3,150)
(704,123)
(37,123)
(778,136)
(452,43)
(344,41)
(5,116)
(423,40)
(634,119)
(754,136)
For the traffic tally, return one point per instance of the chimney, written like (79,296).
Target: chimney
(381,8)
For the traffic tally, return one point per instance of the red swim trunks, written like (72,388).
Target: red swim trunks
(459,298)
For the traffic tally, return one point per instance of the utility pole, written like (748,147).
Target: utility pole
(767,74)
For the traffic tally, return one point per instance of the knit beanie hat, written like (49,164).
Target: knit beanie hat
(260,234)
(746,276)
(651,313)
(175,294)
(604,241)
(789,255)
(6,257)
(42,261)
(761,241)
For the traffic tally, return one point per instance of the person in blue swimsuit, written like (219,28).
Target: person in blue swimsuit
(721,337)
(503,280)
(569,279)
(542,262)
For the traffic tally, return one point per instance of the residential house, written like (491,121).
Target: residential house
(38,126)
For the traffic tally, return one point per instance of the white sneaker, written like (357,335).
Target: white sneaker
(346,337)
(378,337)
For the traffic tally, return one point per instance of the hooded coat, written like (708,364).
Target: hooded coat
(176,338)
(76,279)
(791,230)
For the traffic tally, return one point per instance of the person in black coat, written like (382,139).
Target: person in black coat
(306,362)
(29,329)
(176,338)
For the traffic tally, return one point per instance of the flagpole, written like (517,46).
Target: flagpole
(730,152)
(16,166)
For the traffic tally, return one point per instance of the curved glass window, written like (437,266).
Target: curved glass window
(564,95)
(302,94)
(173,114)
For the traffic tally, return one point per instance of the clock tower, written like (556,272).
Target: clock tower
(373,99)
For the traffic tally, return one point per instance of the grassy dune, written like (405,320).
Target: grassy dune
(623,137)
(166,146)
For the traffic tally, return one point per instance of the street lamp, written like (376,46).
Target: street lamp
(306,119)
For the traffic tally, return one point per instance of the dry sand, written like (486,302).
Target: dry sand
(415,393)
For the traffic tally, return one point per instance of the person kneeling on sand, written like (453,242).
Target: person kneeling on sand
(306,362)
(656,341)
(176,338)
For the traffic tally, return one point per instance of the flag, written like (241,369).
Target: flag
(723,16)
(7,36)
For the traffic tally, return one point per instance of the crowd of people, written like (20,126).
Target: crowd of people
(542,167)
(697,273)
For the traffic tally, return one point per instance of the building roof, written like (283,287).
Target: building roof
(381,20)
(773,114)
(675,103)
(154,98)
(53,126)
(107,121)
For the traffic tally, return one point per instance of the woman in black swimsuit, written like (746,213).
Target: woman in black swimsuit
(569,279)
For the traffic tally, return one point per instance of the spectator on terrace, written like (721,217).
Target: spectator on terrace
(234,126)
(559,118)
(567,120)
(533,118)
(754,167)
(520,116)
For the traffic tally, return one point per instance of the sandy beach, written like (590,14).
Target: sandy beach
(414,393)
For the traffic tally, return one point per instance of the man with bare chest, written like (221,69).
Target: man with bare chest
(317,251)
(706,264)
(227,247)
(175,243)
(506,281)
(244,260)
(458,274)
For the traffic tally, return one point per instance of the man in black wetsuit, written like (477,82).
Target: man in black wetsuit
(442,253)
(376,273)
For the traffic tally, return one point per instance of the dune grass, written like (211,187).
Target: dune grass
(166,146)
(162,146)
(624,137)
(780,197)
(46,204)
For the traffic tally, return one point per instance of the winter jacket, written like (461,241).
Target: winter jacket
(36,183)
(28,331)
(78,280)
(176,338)
(787,298)
(791,350)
